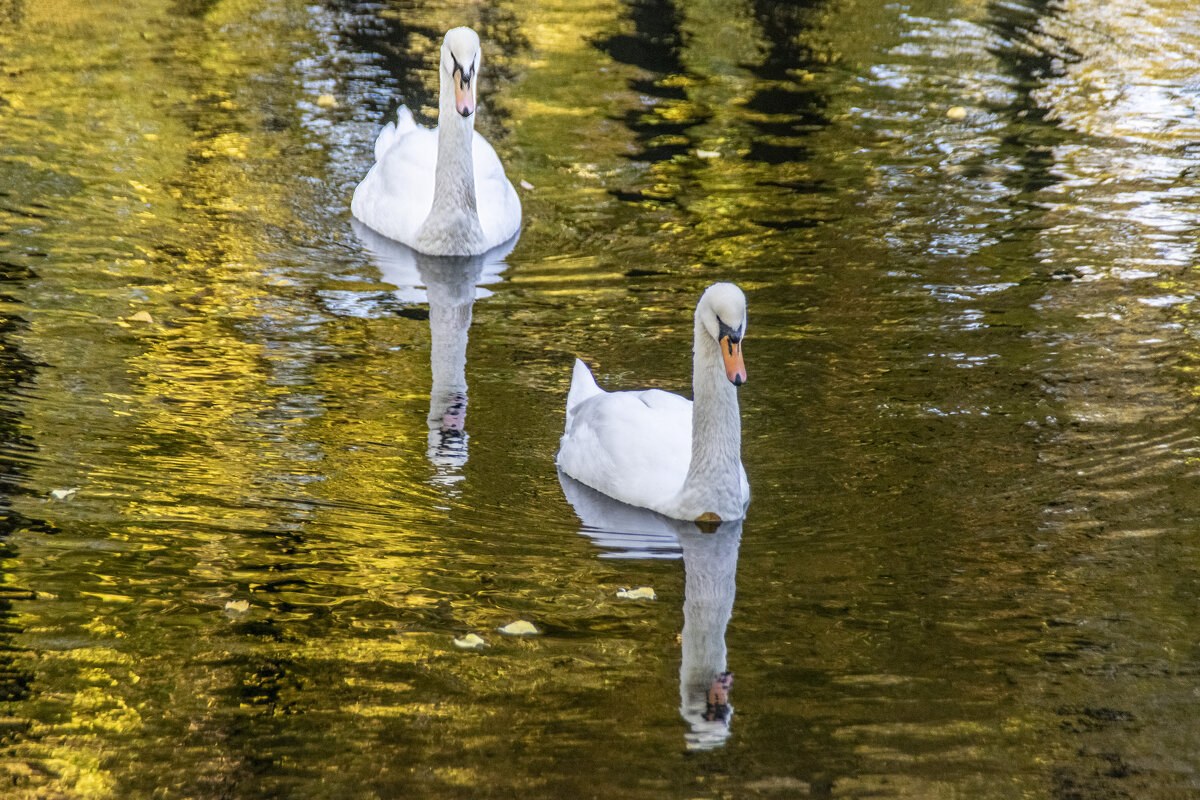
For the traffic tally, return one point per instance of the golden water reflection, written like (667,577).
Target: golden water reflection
(238,554)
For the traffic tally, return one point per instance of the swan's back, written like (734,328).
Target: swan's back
(632,446)
(396,196)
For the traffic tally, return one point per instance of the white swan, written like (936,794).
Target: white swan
(658,450)
(442,192)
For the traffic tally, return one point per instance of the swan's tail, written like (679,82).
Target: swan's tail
(393,131)
(583,385)
(404,121)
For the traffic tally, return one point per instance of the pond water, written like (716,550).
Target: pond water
(261,469)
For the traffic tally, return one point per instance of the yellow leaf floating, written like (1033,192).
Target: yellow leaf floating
(957,112)
(64,494)
(641,593)
(519,628)
(327,101)
(470,642)
(141,316)
(108,598)
(237,606)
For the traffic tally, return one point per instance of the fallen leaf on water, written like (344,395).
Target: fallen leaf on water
(526,184)
(519,628)
(470,642)
(237,606)
(64,494)
(109,598)
(327,101)
(141,316)
(641,593)
(957,112)
(707,154)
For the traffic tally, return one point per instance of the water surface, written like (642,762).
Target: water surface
(260,471)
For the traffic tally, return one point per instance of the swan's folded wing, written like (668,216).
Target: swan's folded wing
(583,387)
(495,198)
(397,194)
(632,446)
(403,125)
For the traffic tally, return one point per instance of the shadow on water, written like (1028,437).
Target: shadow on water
(710,582)
(450,286)
(1031,56)
(759,102)
(787,104)
(17,373)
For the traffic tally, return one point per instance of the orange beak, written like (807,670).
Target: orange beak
(464,100)
(731,354)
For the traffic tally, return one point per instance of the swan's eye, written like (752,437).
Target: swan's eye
(727,332)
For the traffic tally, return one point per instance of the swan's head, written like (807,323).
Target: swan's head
(722,312)
(460,66)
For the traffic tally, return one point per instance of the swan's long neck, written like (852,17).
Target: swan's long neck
(714,476)
(452,227)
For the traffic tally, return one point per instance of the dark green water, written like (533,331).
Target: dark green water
(236,554)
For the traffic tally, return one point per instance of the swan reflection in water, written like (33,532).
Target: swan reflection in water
(450,285)
(710,582)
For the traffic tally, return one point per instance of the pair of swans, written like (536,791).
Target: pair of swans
(445,193)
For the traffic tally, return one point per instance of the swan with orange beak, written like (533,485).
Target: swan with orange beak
(442,192)
(657,450)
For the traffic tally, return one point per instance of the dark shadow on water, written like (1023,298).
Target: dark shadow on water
(1026,50)
(654,47)
(710,584)
(784,108)
(408,47)
(17,372)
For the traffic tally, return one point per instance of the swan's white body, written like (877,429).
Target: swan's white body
(442,192)
(660,451)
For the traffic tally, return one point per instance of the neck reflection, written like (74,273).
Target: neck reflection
(710,584)
(450,285)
